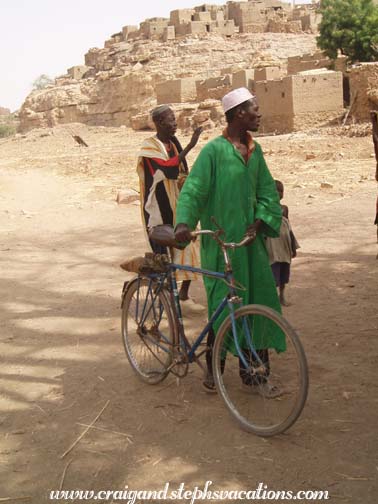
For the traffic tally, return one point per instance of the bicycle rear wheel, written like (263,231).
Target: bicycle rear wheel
(148,330)
(267,396)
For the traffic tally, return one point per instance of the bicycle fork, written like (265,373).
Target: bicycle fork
(183,346)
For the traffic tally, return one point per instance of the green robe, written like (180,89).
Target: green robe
(222,185)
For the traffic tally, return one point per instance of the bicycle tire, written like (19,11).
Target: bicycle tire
(246,402)
(148,346)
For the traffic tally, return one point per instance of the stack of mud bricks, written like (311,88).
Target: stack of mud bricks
(299,101)
(176,91)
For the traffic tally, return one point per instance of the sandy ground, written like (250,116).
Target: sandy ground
(62,238)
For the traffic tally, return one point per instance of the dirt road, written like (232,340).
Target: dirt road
(62,238)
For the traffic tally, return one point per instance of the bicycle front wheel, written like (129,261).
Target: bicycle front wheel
(264,390)
(148,330)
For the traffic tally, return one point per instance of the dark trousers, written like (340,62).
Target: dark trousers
(245,376)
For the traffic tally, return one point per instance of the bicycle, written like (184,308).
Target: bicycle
(154,338)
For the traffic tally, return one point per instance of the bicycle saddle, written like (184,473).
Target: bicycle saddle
(165,235)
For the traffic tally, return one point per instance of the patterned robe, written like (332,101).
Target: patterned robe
(158,171)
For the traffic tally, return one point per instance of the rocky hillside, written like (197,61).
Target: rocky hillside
(118,82)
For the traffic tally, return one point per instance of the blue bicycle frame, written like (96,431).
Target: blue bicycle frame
(230,300)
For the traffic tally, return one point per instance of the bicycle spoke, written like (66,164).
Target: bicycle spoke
(263,388)
(148,333)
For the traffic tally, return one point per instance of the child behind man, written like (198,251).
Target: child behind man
(281,250)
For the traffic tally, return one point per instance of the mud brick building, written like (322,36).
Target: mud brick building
(291,103)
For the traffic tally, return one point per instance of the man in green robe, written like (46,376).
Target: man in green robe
(231,181)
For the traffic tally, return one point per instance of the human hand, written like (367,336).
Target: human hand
(253,229)
(182,233)
(196,134)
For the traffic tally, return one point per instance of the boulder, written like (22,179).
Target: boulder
(127,196)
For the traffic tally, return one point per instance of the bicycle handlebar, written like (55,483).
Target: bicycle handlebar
(231,245)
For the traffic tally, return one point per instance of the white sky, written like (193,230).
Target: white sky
(48,36)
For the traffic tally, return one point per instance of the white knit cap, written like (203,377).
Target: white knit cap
(235,98)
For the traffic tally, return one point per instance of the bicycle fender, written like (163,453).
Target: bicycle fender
(125,288)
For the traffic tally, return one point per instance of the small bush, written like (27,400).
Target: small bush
(7,130)
(42,82)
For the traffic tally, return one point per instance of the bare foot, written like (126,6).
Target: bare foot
(284,302)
